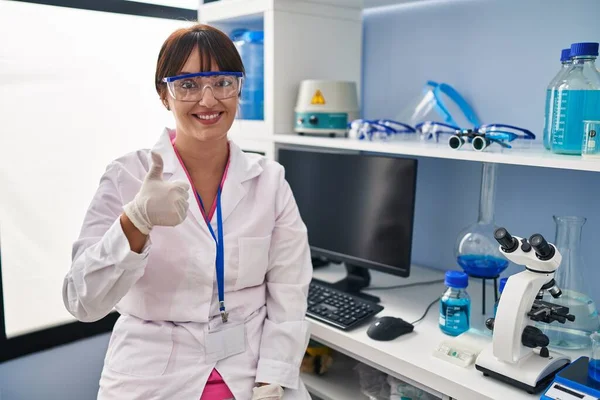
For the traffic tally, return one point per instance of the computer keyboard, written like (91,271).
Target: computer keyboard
(337,308)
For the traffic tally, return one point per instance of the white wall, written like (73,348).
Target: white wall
(77,90)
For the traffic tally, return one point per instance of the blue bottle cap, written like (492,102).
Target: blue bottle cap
(502,284)
(565,55)
(456,279)
(584,49)
(254,36)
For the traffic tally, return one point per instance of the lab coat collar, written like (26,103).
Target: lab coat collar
(242,167)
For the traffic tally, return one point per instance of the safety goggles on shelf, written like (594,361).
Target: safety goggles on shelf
(191,87)
(380,129)
(480,137)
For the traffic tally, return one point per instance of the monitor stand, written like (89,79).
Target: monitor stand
(358,278)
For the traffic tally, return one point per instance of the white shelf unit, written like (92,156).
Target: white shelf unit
(535,155)
(316,39)
(322,39)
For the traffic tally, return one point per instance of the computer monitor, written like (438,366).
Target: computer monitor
(358,209)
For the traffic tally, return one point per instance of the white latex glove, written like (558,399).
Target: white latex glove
(267,392)
(158,202)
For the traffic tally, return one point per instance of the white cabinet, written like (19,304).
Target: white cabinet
(303,40)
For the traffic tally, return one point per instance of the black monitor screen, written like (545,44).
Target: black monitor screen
(358,208)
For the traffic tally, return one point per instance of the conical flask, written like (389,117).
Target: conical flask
(476,249)
(576,290)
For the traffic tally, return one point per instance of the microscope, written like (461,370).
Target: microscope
(518,354)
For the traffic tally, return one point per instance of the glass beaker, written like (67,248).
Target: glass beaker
(576,290)
(476,249)
(594,365)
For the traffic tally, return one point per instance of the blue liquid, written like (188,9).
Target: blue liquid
(548,118)
(455,316)
(594,370)
(571,108)
(481,265)
(253,95)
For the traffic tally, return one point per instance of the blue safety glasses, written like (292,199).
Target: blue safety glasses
(191,87)
(381,129)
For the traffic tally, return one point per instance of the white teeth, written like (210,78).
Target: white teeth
(211,116)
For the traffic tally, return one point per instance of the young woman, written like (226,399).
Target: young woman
(199,246)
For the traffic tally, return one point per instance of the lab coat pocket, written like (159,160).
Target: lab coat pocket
(254,260)
(140,348)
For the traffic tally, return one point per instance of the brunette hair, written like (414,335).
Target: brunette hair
(213,45)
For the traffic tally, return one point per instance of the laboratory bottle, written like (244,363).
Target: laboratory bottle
(250,46)
(577,98)
(500,290)
(565,60)
(455,304)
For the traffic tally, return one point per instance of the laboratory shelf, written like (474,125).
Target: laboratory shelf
(535,155)
(340,382)
(231,11)
(250,129)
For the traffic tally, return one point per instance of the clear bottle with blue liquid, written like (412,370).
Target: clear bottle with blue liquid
(250,46)
(500,290)
(455,304)
(577,98)
(565,60)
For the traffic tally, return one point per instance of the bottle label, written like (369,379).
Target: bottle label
(454,316)
(548,111)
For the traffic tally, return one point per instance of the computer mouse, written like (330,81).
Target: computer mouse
(389,328)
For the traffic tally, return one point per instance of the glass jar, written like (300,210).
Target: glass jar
(455,304)
(576,290)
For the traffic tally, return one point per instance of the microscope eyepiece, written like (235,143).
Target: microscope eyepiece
(508,243)
(543,250)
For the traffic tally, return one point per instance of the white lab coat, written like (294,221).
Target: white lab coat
(167,295)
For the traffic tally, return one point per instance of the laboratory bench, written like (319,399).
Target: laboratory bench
(409,357)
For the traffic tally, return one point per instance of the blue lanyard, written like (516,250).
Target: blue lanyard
(220,261)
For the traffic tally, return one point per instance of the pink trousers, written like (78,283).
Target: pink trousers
(215,388)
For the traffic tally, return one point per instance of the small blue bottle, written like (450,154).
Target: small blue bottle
(500,289)
(455,304)
(577,99)
(565,60)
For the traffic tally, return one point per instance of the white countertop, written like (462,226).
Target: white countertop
(409,357)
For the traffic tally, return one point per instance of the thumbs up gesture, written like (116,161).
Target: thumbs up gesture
(158,202)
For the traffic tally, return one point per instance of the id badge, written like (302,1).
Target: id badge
(225,341)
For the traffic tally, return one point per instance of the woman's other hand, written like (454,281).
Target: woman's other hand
(267,392)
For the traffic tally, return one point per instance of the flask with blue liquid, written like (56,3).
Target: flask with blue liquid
(565,60)
(577,99)
(455,304)
(476,249)
(250,45)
